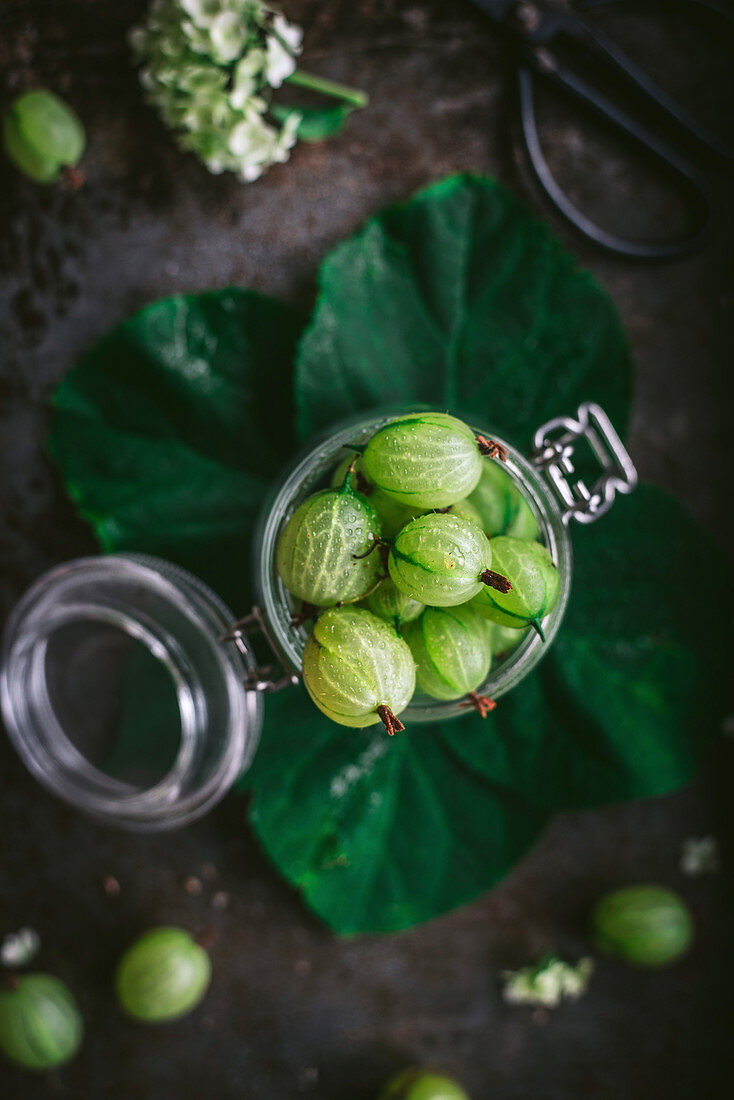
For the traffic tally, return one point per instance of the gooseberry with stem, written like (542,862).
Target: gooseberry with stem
(452,653)
(442,560)
(163,975)
(534,579)
(357,670)
(43,137)
(323,551)
(40,1023)
(645,925)
(425,459)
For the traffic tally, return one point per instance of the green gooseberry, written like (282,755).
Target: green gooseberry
(40,1023)
(163,975)
(451,649)
(323,554)
(466,510)
(645,925)
(391,514)
(442,560)
(389,603)
(421,1084)
(42,135)
(501,506)
(503,639)
(524,525)
(534,579)
(357,670)
(425,460)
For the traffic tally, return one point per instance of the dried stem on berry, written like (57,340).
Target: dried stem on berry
(390,722)
(364,486)
(206,937)
(495,580)
(72,177)
(384,544)
(308,611)
(481,703)
(492,449)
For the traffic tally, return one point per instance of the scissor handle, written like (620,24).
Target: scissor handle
(699,207)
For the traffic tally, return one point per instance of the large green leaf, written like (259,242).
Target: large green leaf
(379,833)
(461,299)
(169,430)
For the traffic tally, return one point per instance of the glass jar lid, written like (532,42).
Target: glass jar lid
(119,694)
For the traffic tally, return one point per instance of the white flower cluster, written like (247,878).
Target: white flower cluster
(548,983)
(19,948)
(209,67)
(700,856)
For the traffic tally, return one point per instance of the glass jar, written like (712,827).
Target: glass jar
(129,691)
(119,695)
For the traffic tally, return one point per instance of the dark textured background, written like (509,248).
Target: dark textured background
(293,1011)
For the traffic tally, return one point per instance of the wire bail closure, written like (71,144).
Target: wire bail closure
(553,453)
(260,678)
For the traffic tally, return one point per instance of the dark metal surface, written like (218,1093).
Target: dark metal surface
(294,1011)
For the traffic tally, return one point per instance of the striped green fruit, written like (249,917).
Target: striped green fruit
(646,925)
(357,670)
(392,605)
(421,1084)
(438,559)
(392,516)
(501,506)
(40,1024)
(503,639)
(534,579)
(425,460)
(42,136)
(451,649)
(466,510)
(163,975)
(319,550)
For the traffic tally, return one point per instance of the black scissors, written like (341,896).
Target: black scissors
(542,35)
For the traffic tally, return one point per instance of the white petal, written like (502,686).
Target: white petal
(290,34)
(280,64)
(19,948)
(228,35)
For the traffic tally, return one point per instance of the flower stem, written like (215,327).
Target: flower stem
(327,87)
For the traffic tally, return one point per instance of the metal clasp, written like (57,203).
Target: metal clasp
(553,453)
(260,678)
